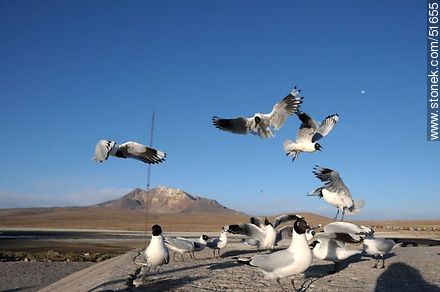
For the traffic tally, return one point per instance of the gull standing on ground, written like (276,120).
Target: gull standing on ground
(335,192)
(156,254)
(262,124)
(308,134)
(218,243)
(329,245)
(182,245)
(378,247)
(105,148)
(289,262)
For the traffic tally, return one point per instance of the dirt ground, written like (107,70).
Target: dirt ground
(407,269)
(32,276)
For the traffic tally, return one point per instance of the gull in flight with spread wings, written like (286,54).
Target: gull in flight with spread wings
(260,124)
(105,148)
(308,134)
(335,192)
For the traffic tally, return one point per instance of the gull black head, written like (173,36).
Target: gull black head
(300,225)
(205,237)
(318,147)
(257,120)
(266,221)
(156,229)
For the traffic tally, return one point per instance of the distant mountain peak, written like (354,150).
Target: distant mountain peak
(165,200)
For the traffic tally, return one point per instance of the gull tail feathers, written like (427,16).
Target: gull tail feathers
(288,147)
(355,208)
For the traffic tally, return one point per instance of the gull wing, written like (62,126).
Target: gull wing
(307,128)
(347,227)
(326,126)
(247,229)
(284,218)
(238,125)
(180,243)
(331,180)
(284,108)
(141,152)
(102,150)
(273,261)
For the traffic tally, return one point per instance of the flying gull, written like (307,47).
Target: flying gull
(105,148)
(335,192)
(308,134)
(260,124)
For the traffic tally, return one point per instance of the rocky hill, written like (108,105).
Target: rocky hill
(164,200)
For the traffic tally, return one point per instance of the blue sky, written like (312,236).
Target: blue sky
(73,72)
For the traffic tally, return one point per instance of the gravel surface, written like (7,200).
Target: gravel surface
(31,276)
(407,269)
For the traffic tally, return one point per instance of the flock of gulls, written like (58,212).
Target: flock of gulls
(332,243)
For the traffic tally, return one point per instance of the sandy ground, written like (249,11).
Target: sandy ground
(407,269)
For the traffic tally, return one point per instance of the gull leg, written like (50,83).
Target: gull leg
(343,212)
(337,213)
(293,283)
(218,252)
(376,262)
(383,263)
(278,282)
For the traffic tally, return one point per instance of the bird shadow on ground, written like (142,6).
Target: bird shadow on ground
(20,289)
(237,252)
(319,271)
(402,277)
(179,269)
(118,281)
(166,284)
(225,265)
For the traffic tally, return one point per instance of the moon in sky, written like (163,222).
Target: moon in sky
(363,91)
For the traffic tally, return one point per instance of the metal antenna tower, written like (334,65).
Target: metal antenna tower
(151,145)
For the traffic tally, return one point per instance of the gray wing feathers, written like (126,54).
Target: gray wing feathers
(326,126)
(284,218)
(247,229)
(143,153)
(102,150)
(332,180)
(273,261)
(307,128)
(238,125)
(180,243)
(283,109)
(347,227)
